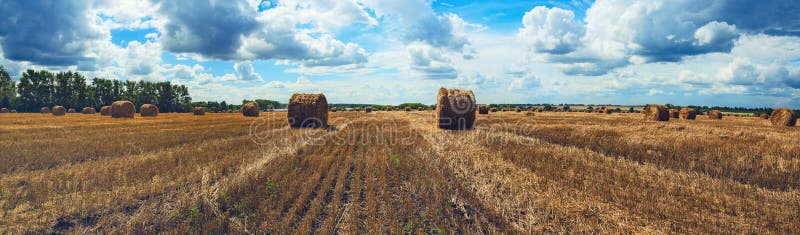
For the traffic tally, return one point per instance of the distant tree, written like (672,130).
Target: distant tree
(8,89)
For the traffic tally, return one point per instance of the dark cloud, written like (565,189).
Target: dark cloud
(209,28)
(52,33)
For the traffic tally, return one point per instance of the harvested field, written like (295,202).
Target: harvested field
(396,172)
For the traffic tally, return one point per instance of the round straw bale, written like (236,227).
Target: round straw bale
(13,111)
(250,109)
(656,112)
(421,109)
(483,109)
(105,111)
(88,110)
(44,110)
(674,113)
(607,111)
(714,114)
(308,111)
(518,110)
(4,110)
(59,110)
(493,110)
(368,109)
(148,110)
(455,109)
(71,110)
(333,109)
(122,109)
(783,117)
(764,116)
(408,109)
(199,111)
(687,114)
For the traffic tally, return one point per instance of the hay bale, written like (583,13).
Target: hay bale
(88,110)
(199,111)
(408,109)
(13,111)
(783,117)
(148,110)
(764,116)
(333,109)
(493,110)
(483,109)
(308,111)
(714,114)
(420,109)
(44,110)
(530,114)
(71,110)
(674,113)
(250,109)
(4,110)
(105,111)
(656,112)
(539,110)
(368,109)
(518,110)
(455,109)
(606,111)
(122,109)
(59,110)
(687,114)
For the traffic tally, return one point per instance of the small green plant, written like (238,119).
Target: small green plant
(395,158)
(192,214)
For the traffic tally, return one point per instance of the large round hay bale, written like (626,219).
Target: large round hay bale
(455,109)
(59,110)
(674,113)
(308,111)
(333,109)
(408,109)
(687,114)
(483,109)
(199,111)
(783,117)
(493,110)
(4,110)
(368,109)
(714,114)
(656,112)
(105,111)
(148,110)
(250,109)
(122,109)
(88,110)
(44,110)
(71,110)
(606,111)
(539,110)
(764,116)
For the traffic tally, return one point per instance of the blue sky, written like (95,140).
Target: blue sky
(708,52)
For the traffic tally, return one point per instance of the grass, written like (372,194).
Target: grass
(393,172)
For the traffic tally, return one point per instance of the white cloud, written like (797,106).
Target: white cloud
(247,72)
(551,30)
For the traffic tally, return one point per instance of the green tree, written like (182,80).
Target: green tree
(8,89)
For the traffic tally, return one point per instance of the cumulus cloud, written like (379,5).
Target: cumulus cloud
(51,33)
(431,62)
(247,72)
(618,33)
(553,31)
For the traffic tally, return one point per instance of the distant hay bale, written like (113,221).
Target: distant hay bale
(250,109)
(687,114)
(71,110)
(421,109)
(408,109)
(122,109)
(607,111)
(59,110)
(333,109)
(13,111)
(783,117)
(493,110)
(199,111)
(764,116)
(88,110)
(504,110)
(539,110)
(587,110)
(483,109)
(530,114)
(44,110)
(368,109)
(518,110)
(148,110)
(674,113)
(308,111)
(105,111)
(656,112)
(4,110)
(455,109)
(714,114)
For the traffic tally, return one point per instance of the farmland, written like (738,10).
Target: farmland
(394,172)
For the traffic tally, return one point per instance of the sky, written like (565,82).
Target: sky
(682,52)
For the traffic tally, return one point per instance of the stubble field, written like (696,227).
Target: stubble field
(393,172)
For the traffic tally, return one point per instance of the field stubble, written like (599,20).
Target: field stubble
(395,172)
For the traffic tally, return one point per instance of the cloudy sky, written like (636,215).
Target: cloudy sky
(701,52)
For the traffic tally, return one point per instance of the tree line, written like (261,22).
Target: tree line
(37,89)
